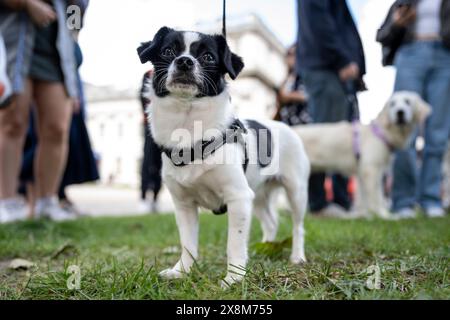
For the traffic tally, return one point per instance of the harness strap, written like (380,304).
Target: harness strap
(204,148)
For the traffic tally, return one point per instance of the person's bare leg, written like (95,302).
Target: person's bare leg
(13,127)
(54,113)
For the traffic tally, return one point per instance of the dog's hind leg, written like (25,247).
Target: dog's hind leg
(187,221)
(263,209)
(298,200)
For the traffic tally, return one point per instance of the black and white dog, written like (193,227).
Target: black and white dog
(213,160)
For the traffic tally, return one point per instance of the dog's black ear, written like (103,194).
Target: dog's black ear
(144,52)
(231,62)
(148,50)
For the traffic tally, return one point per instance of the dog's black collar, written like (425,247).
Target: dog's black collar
(209,147)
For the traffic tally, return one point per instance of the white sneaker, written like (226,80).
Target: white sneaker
(14,209)
(435,212)
(405,213)
(144,206)
(71,208)
(50,208)
(154,207)
(333,210)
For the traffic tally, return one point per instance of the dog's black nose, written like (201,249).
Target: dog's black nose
(401,117)
(184,63)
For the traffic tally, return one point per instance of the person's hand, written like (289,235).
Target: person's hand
(40,12)
(404,16)
(292,97)
(349,72)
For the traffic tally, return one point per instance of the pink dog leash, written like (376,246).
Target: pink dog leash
(356,143)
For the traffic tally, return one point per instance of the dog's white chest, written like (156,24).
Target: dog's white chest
(209,185)
(185,176)
(207,197)
(192,182)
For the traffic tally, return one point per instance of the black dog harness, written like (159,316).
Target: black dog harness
(204,148)
(262,140)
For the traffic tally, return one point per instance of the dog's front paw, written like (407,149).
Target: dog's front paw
(171,273)
(230,279)
(297,259)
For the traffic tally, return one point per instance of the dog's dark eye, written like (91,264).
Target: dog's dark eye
(408,102)
(207,57)
(168,53)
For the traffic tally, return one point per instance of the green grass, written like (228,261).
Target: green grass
(119,258)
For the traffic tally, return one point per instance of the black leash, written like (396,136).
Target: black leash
(224,18)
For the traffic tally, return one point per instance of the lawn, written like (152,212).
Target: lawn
(119,258)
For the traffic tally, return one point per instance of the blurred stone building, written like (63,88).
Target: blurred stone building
(115,117)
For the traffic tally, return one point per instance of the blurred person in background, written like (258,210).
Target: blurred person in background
(42,69)
(416,39)
(151,160)
(330,59)
(291,97)
(81,165)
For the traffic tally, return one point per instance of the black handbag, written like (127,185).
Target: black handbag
(390,36)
